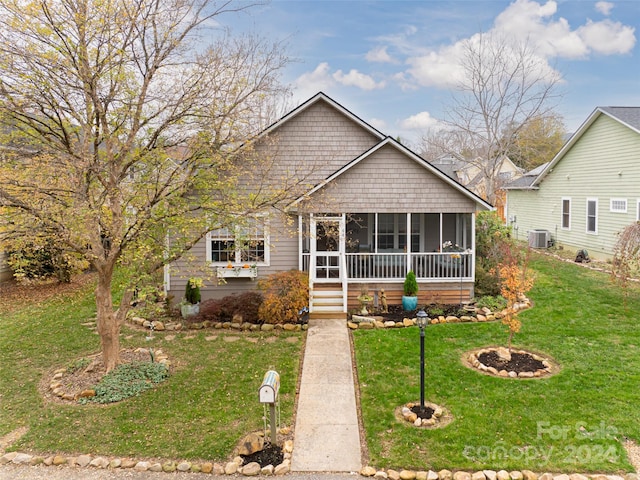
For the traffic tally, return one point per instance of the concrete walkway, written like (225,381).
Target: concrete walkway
(327,434)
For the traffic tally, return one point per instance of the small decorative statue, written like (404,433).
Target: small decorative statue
(364,300)
(383,301)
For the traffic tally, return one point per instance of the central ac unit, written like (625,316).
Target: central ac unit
(539,238)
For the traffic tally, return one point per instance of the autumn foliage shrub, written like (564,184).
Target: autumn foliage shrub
(285,295)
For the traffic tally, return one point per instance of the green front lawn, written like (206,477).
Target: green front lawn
(207,405)
(573,421)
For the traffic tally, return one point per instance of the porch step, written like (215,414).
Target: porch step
(327,301)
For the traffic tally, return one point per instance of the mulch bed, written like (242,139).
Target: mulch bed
(269,455)
(520,362)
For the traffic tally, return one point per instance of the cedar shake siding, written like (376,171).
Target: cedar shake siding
(348,167)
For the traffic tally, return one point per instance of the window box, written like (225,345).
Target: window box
(237,271)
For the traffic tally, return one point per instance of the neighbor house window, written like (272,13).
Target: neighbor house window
(618,205)
(243,244)
(566,213)
(592,215)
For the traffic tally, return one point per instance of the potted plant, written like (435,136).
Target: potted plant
(410,297)
(191,302)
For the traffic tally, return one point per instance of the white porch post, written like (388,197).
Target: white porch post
(300,244)
(408,243)
(473,247)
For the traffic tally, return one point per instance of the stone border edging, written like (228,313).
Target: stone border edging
(479,316)
(234,467)
(485,475)
(470,360)
(441,416)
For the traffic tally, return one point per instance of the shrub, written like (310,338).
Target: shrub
(192,291)
(34,261)
(486,283)
(410,284)
(285,295)
(246,304)
(493,303)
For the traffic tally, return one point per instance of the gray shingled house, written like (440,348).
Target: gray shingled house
(374,211)
(588,192)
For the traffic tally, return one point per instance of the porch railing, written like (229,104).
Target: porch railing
(393,266)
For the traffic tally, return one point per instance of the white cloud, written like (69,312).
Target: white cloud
(608,37)
(419,121)
(532,22)
(604,7)
(379,55)
(319,79)
(357,79)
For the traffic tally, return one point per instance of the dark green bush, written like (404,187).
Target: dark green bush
(410,284)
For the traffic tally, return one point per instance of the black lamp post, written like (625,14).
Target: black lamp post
(421,320)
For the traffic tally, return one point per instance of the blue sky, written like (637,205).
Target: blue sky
(392,62)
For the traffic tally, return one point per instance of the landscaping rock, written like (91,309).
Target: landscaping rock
(461,476)
(516,475)
(393,475)
(407,475)
(251,444)
(283,468)
(503,475)
(115,463)
(22,458)
(529,475)
(155,467)
(478,476)
(230,468)
(142,466)
(431,475)
(99,462)
(368,471)
(169,467)
(381,474)
(251,469)
(445,475)
(59,460)
(490,474)
(183,467)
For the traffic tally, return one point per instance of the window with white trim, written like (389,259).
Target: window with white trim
(618,205)
(566,213)
(592,215)
(243,244)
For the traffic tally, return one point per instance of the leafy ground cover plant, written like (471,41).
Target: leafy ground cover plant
(128,380)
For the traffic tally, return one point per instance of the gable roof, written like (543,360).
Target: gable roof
(410,154)
(627,116)
(312,101)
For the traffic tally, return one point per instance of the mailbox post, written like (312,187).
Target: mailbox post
(268,394)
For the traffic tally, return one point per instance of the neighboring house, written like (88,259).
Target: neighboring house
(468,174)
(374,211)
(590,190)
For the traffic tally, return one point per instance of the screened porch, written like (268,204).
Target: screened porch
(385,246)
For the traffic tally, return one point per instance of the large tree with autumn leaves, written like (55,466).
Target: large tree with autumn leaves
(122,125)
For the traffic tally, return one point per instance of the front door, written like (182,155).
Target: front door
(327,248)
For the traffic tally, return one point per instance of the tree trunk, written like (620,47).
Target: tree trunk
(108,322)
